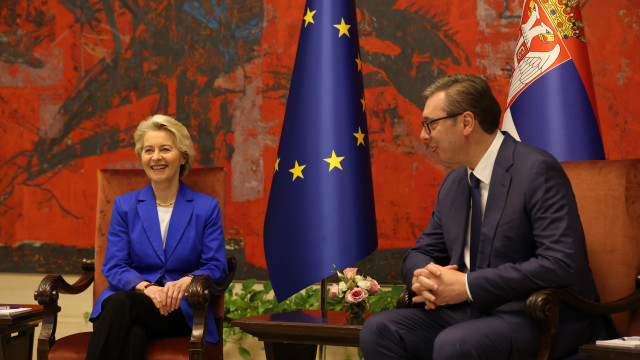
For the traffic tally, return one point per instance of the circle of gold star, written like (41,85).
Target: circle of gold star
(297,171)
(344,28)
(360,137)
(334,161)
(308,18)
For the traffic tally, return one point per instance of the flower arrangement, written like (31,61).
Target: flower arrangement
(355,290)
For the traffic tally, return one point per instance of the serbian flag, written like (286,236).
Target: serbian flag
(551,102)
(321,210)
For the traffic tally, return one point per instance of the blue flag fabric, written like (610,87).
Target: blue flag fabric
(551,101)
(321,210)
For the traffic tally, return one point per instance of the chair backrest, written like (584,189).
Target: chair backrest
(608,196)
(112,183)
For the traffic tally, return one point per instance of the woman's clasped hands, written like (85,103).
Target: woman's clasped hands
(167,298)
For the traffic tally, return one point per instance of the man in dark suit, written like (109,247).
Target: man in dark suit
(528,237)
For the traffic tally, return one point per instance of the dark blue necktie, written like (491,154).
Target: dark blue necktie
(476,221)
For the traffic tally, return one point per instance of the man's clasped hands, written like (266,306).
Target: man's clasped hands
(437,285)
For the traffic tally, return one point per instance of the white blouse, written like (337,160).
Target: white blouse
(164,214)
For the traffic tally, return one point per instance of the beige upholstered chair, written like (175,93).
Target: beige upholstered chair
(608,197)
(201,293)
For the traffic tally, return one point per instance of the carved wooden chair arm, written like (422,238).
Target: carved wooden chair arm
(53,284)
(202,286)
(404,299)
(198,295)
(47,295)
(543,306)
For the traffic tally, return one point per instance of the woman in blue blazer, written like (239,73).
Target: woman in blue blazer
(159,237)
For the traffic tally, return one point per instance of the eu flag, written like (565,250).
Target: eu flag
(551,101)
(321,210)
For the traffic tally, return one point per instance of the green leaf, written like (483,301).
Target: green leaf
(256,297)
(244,352)
(396,290)
(248,284)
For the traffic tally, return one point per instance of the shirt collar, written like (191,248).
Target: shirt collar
(485,167)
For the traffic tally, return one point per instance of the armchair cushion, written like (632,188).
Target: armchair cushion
(175,347)
(71,347)
(75,347)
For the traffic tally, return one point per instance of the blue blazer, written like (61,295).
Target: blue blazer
(532,237)
(194,245)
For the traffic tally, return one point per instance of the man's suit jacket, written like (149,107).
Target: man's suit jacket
(194,245)
(532,237)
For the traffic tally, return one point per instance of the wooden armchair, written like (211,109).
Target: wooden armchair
(201,293)
(608,197)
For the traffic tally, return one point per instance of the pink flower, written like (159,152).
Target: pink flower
(350,273)
(356,295)
(375,287)
(333,291)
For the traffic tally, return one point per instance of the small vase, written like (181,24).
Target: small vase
(355,310)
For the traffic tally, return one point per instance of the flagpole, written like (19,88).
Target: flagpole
(323,298)
(323,310)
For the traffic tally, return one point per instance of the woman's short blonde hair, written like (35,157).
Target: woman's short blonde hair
(180,133)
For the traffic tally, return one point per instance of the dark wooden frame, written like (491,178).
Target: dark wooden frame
(199,295)
(543,306)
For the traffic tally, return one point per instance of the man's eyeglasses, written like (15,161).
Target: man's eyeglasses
(425,124)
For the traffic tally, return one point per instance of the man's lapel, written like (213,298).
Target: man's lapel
(148,213)
(498,191)
(182,211)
